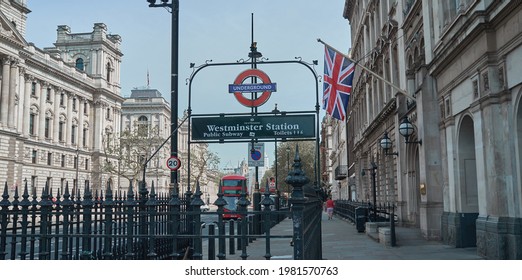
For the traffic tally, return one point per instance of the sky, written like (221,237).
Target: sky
(210,31)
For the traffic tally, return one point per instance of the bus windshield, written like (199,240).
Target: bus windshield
(231,202)
(232,183)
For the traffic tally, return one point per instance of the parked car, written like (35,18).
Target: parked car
(204,208)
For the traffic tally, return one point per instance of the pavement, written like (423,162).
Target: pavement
(341,241)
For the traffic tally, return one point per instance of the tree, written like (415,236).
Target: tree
(285,161)
(202,160)
(125,154)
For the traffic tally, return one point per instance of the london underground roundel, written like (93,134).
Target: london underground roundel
(266,87)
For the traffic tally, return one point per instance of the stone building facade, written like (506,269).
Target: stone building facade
(147,107)
(476,63)
(56,103)
(458,179)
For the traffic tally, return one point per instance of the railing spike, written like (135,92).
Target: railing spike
(5,197)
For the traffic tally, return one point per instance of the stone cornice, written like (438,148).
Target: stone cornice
(36,65)
(381,118)
(378,121)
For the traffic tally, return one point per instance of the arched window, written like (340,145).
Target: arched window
(79,64)
(143,125)
(109,71)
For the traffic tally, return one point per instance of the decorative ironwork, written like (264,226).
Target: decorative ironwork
(116,225)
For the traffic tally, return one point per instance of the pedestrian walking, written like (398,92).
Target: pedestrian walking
(330,207)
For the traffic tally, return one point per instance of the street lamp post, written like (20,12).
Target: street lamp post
(386,145)
(276,198)
(254,54)
(174,6)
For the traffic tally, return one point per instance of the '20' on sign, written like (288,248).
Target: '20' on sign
(173,163)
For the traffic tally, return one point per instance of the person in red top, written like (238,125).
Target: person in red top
(330,207)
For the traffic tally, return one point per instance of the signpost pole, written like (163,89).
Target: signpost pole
(256,197)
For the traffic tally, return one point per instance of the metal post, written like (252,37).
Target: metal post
(173,82)
(231,240)
(287,169)
(211,242)
(392,215)
(276,197)
(386,145)
(297,179)
(340,188)
(267,202)
(174,89)
(77,167)
(256,197)
(374,191)
(392,226)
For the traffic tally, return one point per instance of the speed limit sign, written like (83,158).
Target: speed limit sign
(173,163)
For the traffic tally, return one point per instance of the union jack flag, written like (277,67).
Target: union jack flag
(337,83)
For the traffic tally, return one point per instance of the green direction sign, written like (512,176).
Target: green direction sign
(248,127)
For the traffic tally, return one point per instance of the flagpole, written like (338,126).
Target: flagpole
(403,92)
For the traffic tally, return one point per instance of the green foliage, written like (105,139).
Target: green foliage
(202,160)
(285,161)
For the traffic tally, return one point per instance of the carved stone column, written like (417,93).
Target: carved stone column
(4,99)
(69,119)
(27,104)
(19,113)
(13,79)
(80,121)
(41,111)
(55,94)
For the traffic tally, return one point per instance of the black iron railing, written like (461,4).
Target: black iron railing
(114,226)
(144,225)
(381,213)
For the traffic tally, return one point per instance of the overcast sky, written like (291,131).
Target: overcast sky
(209,30)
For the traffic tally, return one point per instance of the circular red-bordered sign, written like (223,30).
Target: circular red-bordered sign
(259,100)
(173,163)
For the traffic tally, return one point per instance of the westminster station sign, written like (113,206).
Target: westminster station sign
(248,127)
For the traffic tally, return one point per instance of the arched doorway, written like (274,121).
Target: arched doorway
(467,191)
(467,167)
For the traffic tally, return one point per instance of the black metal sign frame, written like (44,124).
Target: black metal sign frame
(255,63)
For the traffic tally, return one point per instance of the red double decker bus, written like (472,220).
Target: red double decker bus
(231,186)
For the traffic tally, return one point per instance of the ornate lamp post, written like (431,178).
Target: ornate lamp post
(386,145)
